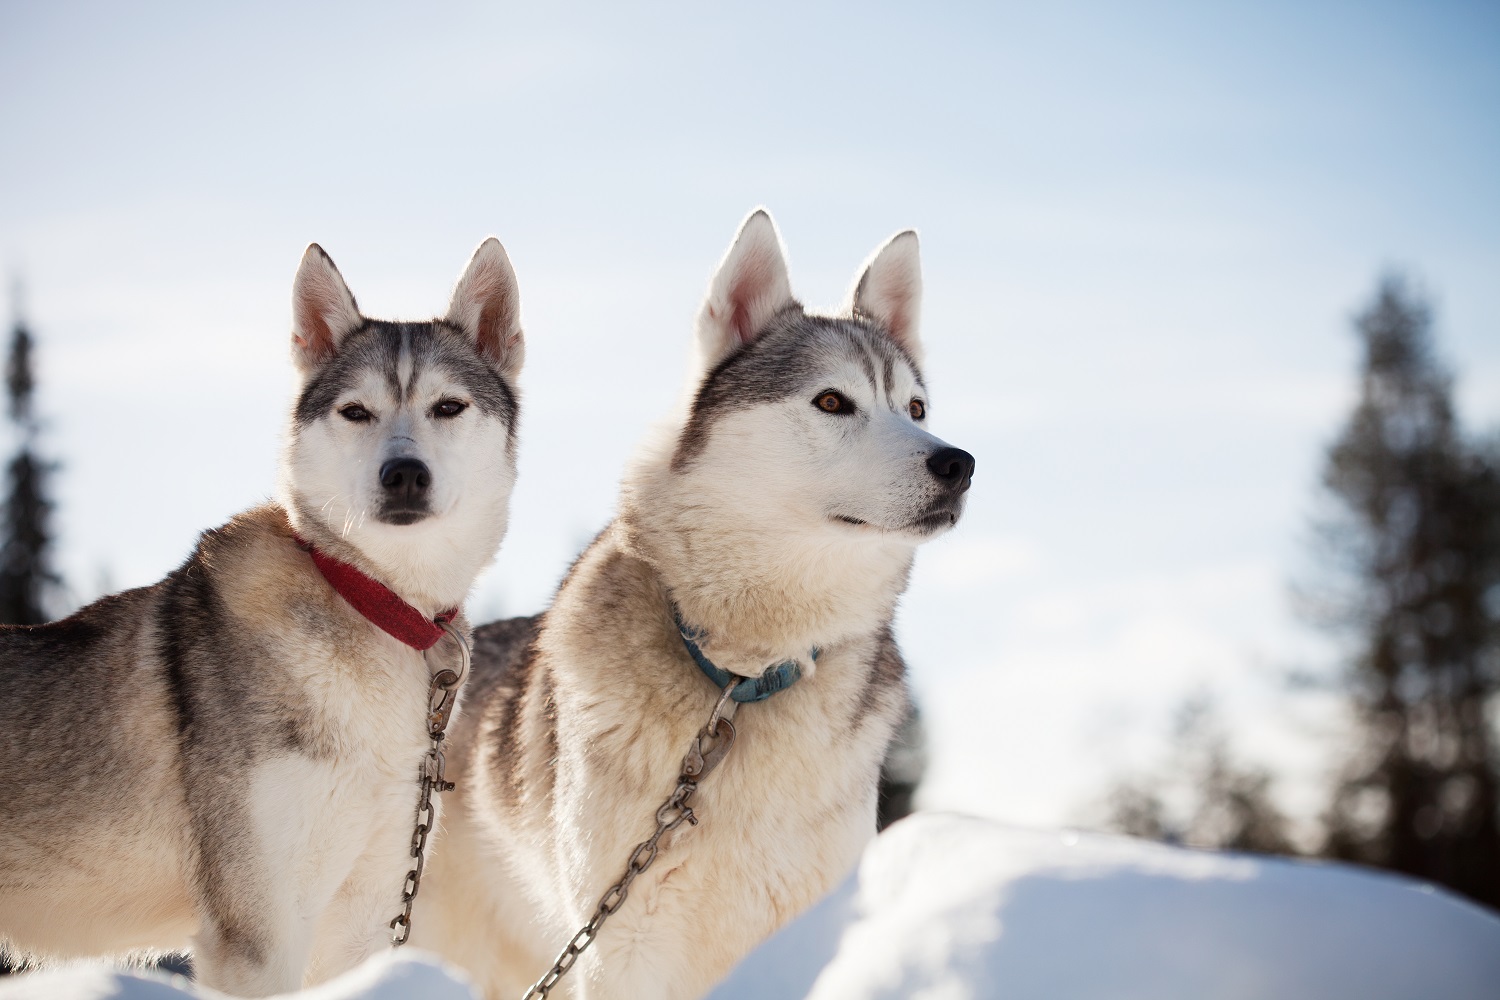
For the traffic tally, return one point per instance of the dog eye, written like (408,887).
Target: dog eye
(834,402)
(917,409)
(355,413)
(449,408)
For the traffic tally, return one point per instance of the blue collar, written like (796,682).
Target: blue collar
(777,677)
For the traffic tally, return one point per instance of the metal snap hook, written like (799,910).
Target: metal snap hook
(707,751)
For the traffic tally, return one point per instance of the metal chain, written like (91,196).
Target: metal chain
(708,749)
(442,694)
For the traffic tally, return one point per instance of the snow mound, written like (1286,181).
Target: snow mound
(948,907)
(404,975)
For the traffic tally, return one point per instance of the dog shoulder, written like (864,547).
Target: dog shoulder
(249,536)
(255,573)
(602,610)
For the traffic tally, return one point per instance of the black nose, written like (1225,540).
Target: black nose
(405,477)
(953,466)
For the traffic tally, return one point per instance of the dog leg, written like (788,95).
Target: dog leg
(269,871)
(246,961)
(356,923)
(257,918)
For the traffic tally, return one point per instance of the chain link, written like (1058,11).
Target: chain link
(708,749)
(442,694)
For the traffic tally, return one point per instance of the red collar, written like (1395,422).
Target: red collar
(379,603)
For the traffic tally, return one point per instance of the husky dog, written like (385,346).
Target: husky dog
(776,519)
(227,760)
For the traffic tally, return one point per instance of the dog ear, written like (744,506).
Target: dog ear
(323,310)
(487,306)
(889,291)
(749,288)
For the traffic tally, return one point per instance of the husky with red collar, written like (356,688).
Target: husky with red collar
(228,760)
(764,536)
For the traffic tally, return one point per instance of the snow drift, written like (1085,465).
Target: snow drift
(948,908)
(951,907)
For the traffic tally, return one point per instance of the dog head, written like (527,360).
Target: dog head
(402,440)
(804,447)
(819,421)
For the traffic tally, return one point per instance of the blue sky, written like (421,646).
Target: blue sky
(1144,230)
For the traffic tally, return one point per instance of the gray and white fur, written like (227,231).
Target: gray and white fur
(227,760)
(779,509)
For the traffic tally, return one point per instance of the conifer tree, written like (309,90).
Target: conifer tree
(26,578)
(1414,547)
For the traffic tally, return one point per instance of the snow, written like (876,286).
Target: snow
(948,907)
(395,975)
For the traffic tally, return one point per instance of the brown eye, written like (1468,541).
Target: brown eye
(833,402)
(355,413)
(918,409)
(449,408)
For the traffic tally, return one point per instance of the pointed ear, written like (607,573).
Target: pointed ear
(487,306)
(750,287)
(323,310)
(889,291)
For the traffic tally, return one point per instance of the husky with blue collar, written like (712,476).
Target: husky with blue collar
(764,536)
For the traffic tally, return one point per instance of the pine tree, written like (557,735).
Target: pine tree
(1415,544)
(26,579)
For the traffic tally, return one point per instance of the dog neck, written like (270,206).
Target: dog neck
(421,563)
(761,597)
(382,606)
(758,608)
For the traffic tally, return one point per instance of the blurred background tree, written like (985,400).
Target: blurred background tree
(1203,795)
(1408,563)
(27,580)
(1413,554)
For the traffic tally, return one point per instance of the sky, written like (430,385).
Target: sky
(1144,232)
